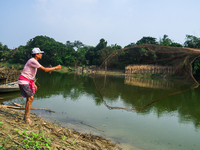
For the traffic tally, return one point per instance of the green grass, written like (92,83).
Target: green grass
(30,141)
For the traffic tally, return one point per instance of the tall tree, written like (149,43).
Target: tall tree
(90,56)
(102,44)
(78,44)
(165,41)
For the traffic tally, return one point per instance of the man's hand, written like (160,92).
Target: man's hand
(58,67)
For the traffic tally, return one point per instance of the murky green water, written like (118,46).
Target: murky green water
(169,124)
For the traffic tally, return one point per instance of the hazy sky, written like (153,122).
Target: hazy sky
(117,21)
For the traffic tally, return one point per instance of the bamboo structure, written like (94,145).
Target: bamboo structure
(151,69)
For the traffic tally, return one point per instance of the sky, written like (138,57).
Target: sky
(119,22)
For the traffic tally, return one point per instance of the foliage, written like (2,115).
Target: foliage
(116,47)
(92,54)
(103,54)
(53,51)
(147,40)
(81,52)
(192,41)
(174,44)
(78,44)
(130,45)
(102,44)
(30,141)
(4,52)
(36,141)
(77,53)
(196,66)
(165,41)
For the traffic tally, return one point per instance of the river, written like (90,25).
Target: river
(171,123)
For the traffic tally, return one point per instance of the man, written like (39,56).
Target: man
(26,79)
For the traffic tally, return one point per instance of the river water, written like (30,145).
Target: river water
(172,123)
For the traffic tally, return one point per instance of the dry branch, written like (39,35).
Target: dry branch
(20,108)
(19,105)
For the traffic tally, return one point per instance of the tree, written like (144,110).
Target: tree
(165,41)
(78,44)
(147,40)
(192,41)
(81,52)
(103,54)
(102,44)
(174,44)
(90,56)
(4,52)
(116,47)
(69,45)
(130,45)
(55,52)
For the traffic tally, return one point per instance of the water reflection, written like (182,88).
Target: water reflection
(73,86)
(148,83)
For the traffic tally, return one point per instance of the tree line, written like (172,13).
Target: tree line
(76,52)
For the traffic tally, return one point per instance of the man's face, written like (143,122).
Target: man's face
(39,56)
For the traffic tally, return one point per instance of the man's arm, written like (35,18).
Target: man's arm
(49,69)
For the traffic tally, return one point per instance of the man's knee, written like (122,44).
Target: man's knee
(30,99)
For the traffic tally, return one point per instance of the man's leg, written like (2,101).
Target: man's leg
(29,101)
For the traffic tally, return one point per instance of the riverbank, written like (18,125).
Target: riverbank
(16,134)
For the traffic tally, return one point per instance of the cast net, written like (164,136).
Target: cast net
(145,67)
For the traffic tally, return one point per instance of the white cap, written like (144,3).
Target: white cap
(36,51)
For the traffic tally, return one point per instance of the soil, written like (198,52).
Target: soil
(16,134)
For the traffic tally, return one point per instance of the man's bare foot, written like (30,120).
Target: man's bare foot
(28,121)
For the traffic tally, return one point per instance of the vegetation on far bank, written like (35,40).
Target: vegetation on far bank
(78,54)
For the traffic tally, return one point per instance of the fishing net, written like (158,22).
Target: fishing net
(145,67)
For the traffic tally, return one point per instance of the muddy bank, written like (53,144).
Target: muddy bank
(16,134)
